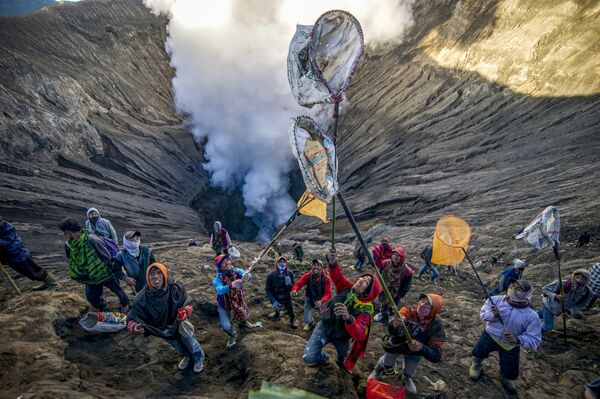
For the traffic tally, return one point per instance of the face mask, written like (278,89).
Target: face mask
(423,312)
(132,246)
(281,267)
(512,293)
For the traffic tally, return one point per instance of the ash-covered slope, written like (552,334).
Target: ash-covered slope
(489,110)
(88,119)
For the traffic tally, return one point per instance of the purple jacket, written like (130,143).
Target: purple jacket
(524,324)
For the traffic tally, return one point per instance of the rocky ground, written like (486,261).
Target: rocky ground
(46,354)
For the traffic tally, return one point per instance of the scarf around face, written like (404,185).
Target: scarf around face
(132,247)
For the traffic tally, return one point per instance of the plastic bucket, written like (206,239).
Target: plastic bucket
(381,390)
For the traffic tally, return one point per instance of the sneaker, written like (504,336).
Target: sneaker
(198,367)
(378,317)
(231,341)
(307,327)
(183,364)
(509,385)
(294,324)
(410,385)
(50,283)
(475,369)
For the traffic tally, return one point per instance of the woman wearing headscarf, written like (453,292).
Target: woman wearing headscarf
(160,309)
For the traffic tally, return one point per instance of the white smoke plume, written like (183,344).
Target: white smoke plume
(230,61)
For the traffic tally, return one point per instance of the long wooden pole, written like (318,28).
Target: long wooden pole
(10,279)
(285,226)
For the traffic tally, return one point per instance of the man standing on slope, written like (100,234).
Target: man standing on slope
(521,328)
(345,319)
(318,291)
(219,239)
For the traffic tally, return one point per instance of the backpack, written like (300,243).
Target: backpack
(110,246)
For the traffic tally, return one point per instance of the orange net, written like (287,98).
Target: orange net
(451,235)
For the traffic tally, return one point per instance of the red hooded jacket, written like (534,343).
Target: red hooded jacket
(381,254)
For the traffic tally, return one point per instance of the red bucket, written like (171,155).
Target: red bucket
(381,390)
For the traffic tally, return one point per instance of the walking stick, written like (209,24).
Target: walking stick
(285,226)
(363,244)
(10,279)
(562,291)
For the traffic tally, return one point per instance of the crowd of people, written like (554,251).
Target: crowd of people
(161,306)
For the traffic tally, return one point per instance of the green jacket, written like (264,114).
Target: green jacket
(89,260)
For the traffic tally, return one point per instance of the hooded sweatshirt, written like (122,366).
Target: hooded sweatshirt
(278,287)
(361,310)
(11,248)
(102,227)
(220,238)
(156,310)
(381,253)
(398,278)
(429,332)
(522,322)
(575,297)
(318,288)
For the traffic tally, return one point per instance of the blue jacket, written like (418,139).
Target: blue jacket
(11,247)
(223,289)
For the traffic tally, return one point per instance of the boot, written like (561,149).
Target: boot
(183,364)
(231,341)
(475,369)
(410,385)
(49,283)
(509,385)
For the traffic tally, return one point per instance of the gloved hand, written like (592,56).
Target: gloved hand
(237,283)
(135,328)
(276,306)
(184,312)
(288,281)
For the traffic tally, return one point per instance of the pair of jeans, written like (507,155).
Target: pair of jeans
(434,271)
(95,293)
(225,320)
(409,362)
(289,308)
(29,269)
(313,352)
(188,346)
(548,319)
(509,360)
(308,311)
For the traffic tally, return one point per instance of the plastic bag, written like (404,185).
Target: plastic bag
(108,322)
